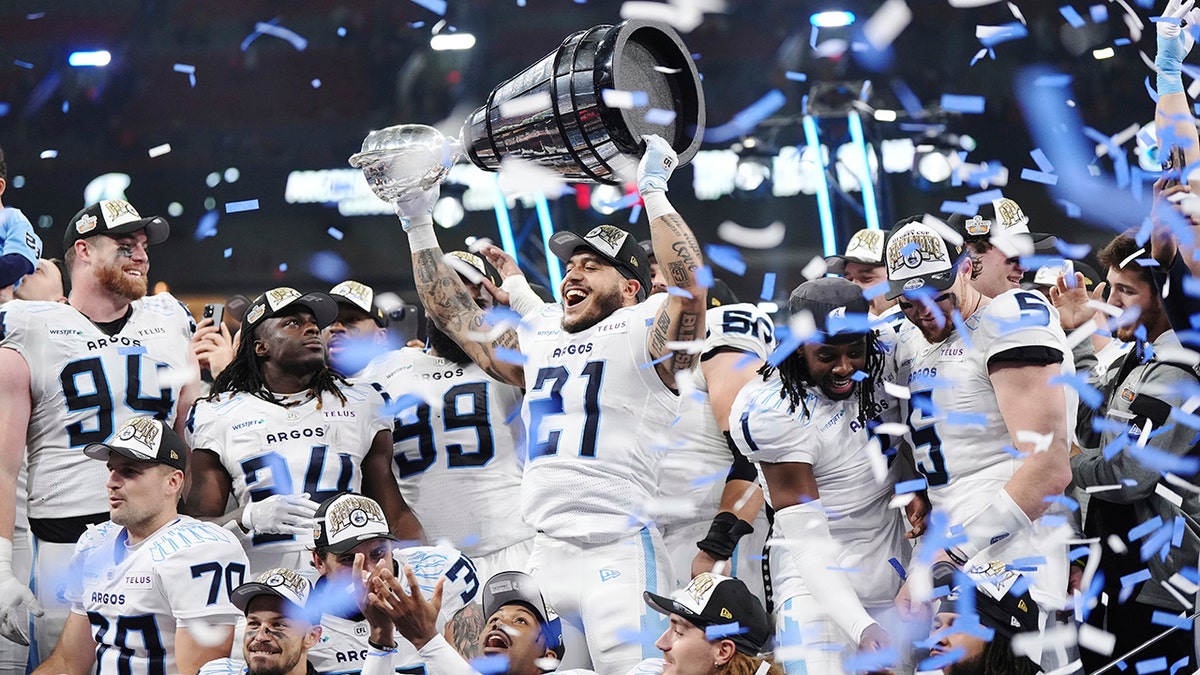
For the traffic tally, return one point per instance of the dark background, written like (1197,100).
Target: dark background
(257,110)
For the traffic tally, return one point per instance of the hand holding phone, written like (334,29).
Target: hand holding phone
(216,312)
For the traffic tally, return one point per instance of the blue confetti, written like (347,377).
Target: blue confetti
(228,252)
(1178,665)
(237,207)
(1088,394)
(22,64)
(511,356)
(899,568)
(704,277)
(912,104)
(1039,177)
(659,116)
(1077,553)
(718,631)
(875,290)
(207,227)
(629,636)
(859,376)
(1189,419)
(1099,13)
(727,257)
(635,213)
(985,197)
(1064,500)
(1072,251)
(1165,462)
(768,286)
(942,660)
(709,480)
(745,121)
(680,292)
(914,485)
(873,661)
(961,208)
(1013,30)
(1068,12)
(131,351)
(341,31)
(283,267)
(965,419)
(490,665)
(437,7)
(1013,451)
(1177,530)
(1155,665)
(655,362)
(329,267)
(795,77)
(335,233)
(1029,563)
(962,103)
(1071,208)
(4,108)
(1135,578)
(1121,42)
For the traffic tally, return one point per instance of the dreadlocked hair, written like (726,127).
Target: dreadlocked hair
(244,374)
(793,371)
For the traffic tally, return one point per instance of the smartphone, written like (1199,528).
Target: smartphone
(216,312)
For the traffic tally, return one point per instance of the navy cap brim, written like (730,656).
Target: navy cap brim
(935,281)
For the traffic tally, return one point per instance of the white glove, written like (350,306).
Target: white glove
(1177,11)
(281,514)
(14,597)
(418,209)
(658,162)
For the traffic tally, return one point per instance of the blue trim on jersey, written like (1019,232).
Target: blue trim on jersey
(745,424)
(652,621)
(33,661)
(790,635)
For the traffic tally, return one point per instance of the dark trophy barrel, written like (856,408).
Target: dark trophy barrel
(576,134)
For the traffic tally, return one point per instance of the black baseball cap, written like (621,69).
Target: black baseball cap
(359,295)
(714,600)
(280,582)
(275,301)
(614,245)
(143,439)
(999,218)
(509,588)
(482,266)
(720,294)
(918,256)
(865,246)
(1047,275)
(832,301)
(997,606)
(347,520)
(112,217)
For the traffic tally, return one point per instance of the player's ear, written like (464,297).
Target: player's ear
(260,349)
(312,637)
(631,288)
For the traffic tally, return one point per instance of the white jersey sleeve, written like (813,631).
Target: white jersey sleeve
(1018,320)
(431,563)
(225,666)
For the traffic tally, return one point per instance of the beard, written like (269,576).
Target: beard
(443,345)
(113,279)
(603,305)
(936,333)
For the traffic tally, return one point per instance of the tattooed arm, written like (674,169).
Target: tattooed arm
(446,298)
(680,319)
(463,631)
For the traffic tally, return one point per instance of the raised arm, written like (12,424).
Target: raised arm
(681,317)
(446,298)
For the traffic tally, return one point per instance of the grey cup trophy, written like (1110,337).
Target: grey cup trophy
(577,134)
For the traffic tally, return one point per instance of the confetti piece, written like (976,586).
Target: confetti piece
(1039,177)
(718,631)
(490,665)
(1068,12)
(245,205)
(228,252)
(49,154)
(207,227)
(704,277)
(34,16)
(768,286)
(22,64)
(341,31)
(316,83)
(875,290)
(616,98)
(437,7)
(767,237)
(961,208)
(990,36)
(510,356)
(283,267)
(795,77)
(726,257)
(525,105)
(886,24)
(1099,641)
(335,233)
(815,268)
(519,177)
(911,485)
(1154,665)
(184,68)
(745,121)
(1063,500)
(659,116)
(1099,13)
(282,33)
(159,150)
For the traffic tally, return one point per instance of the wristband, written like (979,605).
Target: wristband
(657,204)
(723,535)
(998,519)
(420,233)
(6,552)
(521,297)
(381,648)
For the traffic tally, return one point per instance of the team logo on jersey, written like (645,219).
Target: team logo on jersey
(609,574)
(85,224)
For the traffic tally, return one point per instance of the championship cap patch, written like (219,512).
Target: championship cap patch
(346,520)
(280,582)
(361,296)
(278,300)
(917,256)
(114,217)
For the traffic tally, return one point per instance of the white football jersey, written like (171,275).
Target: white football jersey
(959,442)
(456,434)
(842,453)
(697,459)
(84,384)
(343,645)
(596,414)
(136,597)
(293,448)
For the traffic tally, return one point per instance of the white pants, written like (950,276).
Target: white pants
(597,592)
(51,563)
(507,559)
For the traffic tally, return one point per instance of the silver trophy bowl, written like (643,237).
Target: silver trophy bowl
(405,160)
